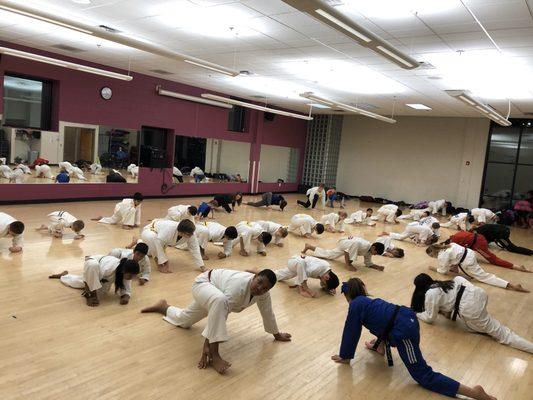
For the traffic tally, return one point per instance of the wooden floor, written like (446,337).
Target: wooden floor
(52,346)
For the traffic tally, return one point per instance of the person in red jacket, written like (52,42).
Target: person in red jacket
(478,243)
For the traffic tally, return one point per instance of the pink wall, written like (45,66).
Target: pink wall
(134,104)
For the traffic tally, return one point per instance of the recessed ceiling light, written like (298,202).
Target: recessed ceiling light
(419,106)
(318,105)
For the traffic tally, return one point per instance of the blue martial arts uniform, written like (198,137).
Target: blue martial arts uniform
(374,314)
(204,209)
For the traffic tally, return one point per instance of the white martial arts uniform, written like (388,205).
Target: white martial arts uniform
(333,220)
(179,213)
(197,171)
(66,166)
(472,310)
(78,173)
(5,221)
(161,233)
(415,215)
(249,231)
(24,168)
(60,220)
(43,170)
(125,213)
(387,242)
(144,263)
(302,224)
(216,293)
(211,231)
(133,170)
(303,268)
(16,176)
(176,171)
(2,160)
(386,213)
(354,246)
(437,205)
(98,274)
(95,168)
(482,215)
(458,221)
(452,255)
(322,196)
(414,230)
(271,227)
(360,217)
(5,171)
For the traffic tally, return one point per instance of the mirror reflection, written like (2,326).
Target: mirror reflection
(279,164)
(201,160)
(76,154)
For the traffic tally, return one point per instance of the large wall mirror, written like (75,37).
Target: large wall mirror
(87,153)
(201,160)
(279,164)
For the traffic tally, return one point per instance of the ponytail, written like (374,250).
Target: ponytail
(424,282)
(125,267)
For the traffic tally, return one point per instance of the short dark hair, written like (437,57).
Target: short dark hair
(354,287)
(186,226)
(319,228)
(435,225)
(16,227)
(400,252)
(379,247)
(265,237)
(270,275)
(192,210)
(282,204)
(78,225)
(231,232)
(141,248)
(333,281)
(398,212)
(471,218)
(138,196)
(370,209)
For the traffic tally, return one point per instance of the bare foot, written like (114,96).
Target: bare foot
(127,227)
(164,268)
(142,281)
(160,307)
(517,287)
(306,248)
(219,364)
(378,267)
(370,346)
(96,219)
(92,301)
(58,276)
(205,258)
(205,360)
(521,268)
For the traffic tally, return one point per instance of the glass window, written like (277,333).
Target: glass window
(524,181)
(499,180)
(526,147)
(504,144)
(27,102)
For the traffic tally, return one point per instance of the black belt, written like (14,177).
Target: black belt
(461,261)
(457,302)
(473,241)
(385,336)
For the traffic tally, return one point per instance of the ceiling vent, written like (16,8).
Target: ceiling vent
(161,72)
(66,47)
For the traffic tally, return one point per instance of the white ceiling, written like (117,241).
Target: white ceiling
(289,52)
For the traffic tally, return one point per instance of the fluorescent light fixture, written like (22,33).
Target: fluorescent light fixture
(395,56)
(342,23)
(65,64)
(123,39)
(318,105)
(45,19)
(210,67)
(168,93)
(346,107)
(488,111)
(254,106)
(418,106)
